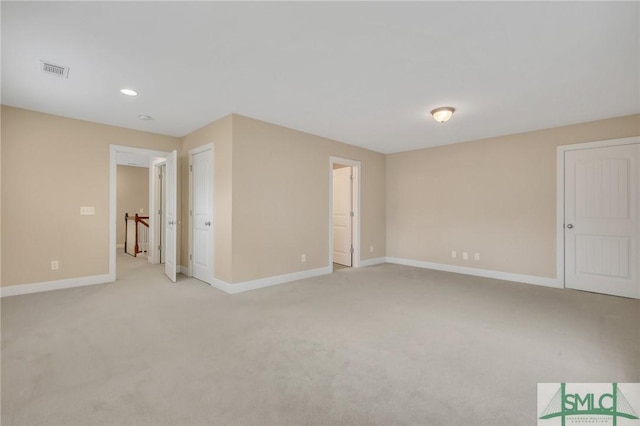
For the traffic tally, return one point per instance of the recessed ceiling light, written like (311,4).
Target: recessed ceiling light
(145,117)
(129,92)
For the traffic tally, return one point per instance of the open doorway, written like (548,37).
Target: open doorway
(345,213)
(132,227)
(142,158)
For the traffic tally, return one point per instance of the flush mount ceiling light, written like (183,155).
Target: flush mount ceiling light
(145,117)
(129,92)
(443,114)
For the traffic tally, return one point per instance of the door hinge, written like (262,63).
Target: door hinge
(190,212)
(351,214)
(190,257)
(351,177)
(159,211)
(190,168)
(159,248)
(351,249)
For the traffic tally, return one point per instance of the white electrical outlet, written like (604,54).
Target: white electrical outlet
(465,255)
(454,254)
(370,249)
(55,265)
(303,258)
(476,256)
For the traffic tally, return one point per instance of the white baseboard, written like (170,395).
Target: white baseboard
(267,282)
(486,273)
(281,279)
(15,290)
(371,262)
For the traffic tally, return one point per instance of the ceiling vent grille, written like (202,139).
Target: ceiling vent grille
(53,69)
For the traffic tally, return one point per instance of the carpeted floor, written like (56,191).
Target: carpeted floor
(381,345)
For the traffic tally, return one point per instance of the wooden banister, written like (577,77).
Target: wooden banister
(140,219)
(144,220)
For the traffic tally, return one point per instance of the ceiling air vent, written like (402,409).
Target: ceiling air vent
(53,69)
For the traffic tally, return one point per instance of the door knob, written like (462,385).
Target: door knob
(569,226)
(207,223)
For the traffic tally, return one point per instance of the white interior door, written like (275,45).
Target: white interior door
(163,212)
(202,215)
(171,223)
(157,211)
(342,216)
(601,220)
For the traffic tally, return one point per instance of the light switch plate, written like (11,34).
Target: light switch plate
(87,210)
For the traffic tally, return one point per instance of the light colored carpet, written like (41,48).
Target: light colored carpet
(381,345)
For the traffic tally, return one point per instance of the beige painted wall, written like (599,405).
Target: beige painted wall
(50,167)
(132,195)
(496,197)
(281,180)
(219,133)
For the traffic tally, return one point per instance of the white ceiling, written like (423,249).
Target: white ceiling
(365,73)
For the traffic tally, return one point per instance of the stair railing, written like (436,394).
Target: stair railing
(140,236)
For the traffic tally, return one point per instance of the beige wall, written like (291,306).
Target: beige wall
(495,196)
(50,167)
(132,196)
(219,133)
(281,180)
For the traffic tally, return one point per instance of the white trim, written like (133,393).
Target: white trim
(498,275)
(113,188)
(560,193)
(371,262)
(15,290)
(184,270)
(270,281)
(193,152)
(357,173)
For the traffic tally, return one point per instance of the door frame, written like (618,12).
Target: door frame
(355,238)
(561,149)
(193,152)
(114,150)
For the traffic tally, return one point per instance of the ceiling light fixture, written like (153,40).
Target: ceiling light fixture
(443,114)
(129,92)
(145,117)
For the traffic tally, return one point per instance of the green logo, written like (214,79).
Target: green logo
(585,402)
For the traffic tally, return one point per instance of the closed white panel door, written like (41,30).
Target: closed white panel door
(601,220)
(171,223)
(202,215)
(342,219)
